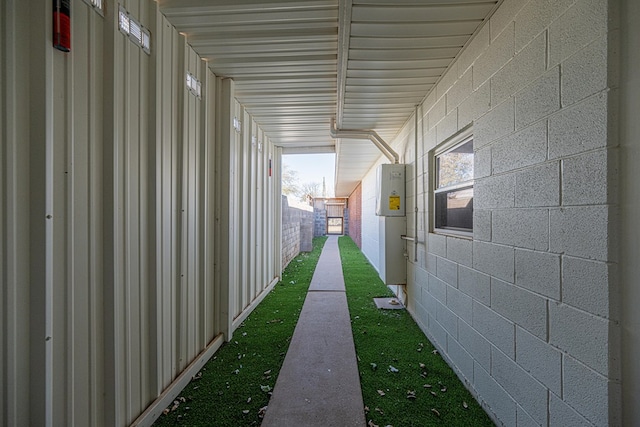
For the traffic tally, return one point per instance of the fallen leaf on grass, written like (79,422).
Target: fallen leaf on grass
(374,366)
(249,400)
(443,389)
(265,388)
(434,393)
(435,411)
(427,386)
(246,411)
(380,411)
(372,424)
(435,352)
(422,366)
(166,411)
(464,405)
(381,393)
(393,369)
(262,411)
(411,394)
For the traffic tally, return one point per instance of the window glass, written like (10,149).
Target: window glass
(455,166)
(454,188)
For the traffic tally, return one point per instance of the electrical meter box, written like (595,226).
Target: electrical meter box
(390,197)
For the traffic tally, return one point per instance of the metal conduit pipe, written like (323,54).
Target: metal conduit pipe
(415,187)
(365,134)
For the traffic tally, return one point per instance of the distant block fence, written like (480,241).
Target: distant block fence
(297,231)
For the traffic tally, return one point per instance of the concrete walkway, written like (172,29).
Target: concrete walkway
(319,384)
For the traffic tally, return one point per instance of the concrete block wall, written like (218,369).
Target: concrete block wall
(297,231)
(526,309)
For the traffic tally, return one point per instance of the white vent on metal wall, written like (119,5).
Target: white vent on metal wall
(98,5)
(137,32)
(237,124)
(194,85)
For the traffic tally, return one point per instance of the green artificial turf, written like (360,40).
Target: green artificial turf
(424,391)
(236,383)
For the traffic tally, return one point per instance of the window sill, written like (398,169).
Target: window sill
(468,235)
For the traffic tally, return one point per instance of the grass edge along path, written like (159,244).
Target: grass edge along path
(405,382)
(235,384)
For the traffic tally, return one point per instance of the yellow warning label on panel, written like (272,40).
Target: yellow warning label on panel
(394,203)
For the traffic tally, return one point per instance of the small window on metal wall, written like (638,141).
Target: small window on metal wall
(453,192)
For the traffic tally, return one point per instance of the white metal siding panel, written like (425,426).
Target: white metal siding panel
(14,214)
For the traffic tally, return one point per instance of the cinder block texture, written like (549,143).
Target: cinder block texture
(482,224)
(478,103)
(438,333)
(563,415)
(541,360)
(539,186)
(429,302)
(437,112)
(498,330)
(590,346)
(580,231)
(459,91)
(475,284)
(523,419)
(576,190)
(438,289)
(482,162)
(539,272)
(539,99)
(460,250)
(499,52)
(520,306)
(579,128)
(475,344)
(477,47)
(529,393)
(461,359)
(524,68)
(586,391)
(447,271)
(523,228)
(503,16)
(524,148)
(582,23)
(496,260)
(534,18)
(460,303)
(585,72)
(499,402)
(585,286)
(437,244)
(447,126)
(498,122)
(447,319)
(447,81)
(495,192)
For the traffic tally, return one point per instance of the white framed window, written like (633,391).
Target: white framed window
(453,185)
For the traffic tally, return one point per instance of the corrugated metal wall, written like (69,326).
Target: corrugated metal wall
(128,208)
